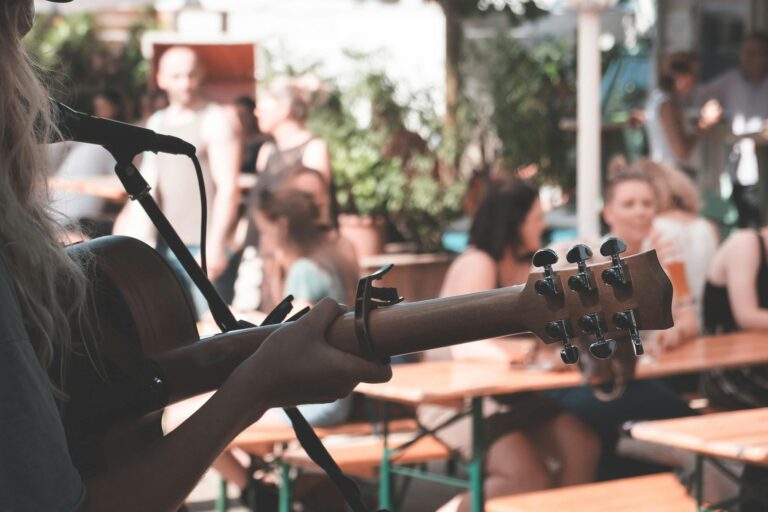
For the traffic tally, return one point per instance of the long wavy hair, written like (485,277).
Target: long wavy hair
(50,286)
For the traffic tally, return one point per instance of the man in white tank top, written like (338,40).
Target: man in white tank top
(215,133)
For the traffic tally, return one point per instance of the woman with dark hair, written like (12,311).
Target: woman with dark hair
(671,137)
(532,444)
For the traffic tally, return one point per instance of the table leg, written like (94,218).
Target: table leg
(385,474)
(222,501)
(698,481)
(284,497)
(478,455)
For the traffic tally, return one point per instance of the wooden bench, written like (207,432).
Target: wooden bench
(361,456)
(652,493)
(262,439)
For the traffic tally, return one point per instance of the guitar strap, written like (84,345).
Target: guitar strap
(308,437)
(138,189)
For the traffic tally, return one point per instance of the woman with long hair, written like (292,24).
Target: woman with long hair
(42,295)
(532,444)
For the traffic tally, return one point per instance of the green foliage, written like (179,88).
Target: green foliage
(77,64)
(531,89)
(370,178)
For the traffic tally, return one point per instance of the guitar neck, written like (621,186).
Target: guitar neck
(396,330)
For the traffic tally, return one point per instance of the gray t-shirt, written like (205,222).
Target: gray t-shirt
(36,471)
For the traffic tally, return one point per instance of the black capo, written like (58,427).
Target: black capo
(368,298)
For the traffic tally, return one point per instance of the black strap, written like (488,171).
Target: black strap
(306,435)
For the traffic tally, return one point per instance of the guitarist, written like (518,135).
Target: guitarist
(294,366)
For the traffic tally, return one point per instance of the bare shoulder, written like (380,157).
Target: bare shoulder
(220,121)
(472,271)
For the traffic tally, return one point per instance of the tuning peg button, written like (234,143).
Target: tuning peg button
(549,285)
(627,320)
(618,273)
(602,348)
(570,354)
(560,330)
(582,281)
(613,246)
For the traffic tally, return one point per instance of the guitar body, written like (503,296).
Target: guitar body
(139,309)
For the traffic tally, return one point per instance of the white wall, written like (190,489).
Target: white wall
(408,37)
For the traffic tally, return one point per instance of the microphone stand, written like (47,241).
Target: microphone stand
(138,190)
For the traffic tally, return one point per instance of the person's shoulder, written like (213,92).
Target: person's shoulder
(474,258)
(741,240)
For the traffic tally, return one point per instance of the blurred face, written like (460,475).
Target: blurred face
(103,108)
(631,210)
(684,84)
(271,111)
(754,59)
(180,76)
(532,229)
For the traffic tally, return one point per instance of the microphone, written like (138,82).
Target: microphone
(120,139)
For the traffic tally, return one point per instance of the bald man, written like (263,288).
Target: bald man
(215,132)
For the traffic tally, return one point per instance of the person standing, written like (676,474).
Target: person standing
(216,134)
(672,138)
(743,94)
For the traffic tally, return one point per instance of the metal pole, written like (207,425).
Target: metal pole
(588,186)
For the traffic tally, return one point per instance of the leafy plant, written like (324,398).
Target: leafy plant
(77,63)
(531,89)
(380,167)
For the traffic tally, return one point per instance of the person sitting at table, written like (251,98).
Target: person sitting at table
(532,443)
(736,298)
(629,211)
(678,220)
(310,267)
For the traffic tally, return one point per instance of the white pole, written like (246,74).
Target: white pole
(588,193)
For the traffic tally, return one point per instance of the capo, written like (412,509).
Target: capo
(368,298)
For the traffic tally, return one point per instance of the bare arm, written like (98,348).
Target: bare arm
(681,143)
(316,157)
(222,136)
(741,266)
(475,271)
(294,366)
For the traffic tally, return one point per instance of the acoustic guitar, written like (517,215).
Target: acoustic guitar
(150,354)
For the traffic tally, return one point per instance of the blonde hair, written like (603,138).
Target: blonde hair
(675,190)
(51,288)
(294,92)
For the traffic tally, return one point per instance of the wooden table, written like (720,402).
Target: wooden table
(105,187)
(735,435)
(446,381)
(449,382)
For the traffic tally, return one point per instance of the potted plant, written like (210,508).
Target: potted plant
(383,172)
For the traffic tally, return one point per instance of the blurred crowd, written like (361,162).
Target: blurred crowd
(272,231)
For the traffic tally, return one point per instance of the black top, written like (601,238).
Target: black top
(718,315)
(735,388)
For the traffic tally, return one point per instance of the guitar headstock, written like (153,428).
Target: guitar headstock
(615,298)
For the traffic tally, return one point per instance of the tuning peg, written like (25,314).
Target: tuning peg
(549,286)
(617,274)
(626,320)
(613,246)
(581,281)
(602,348)
(559,330)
